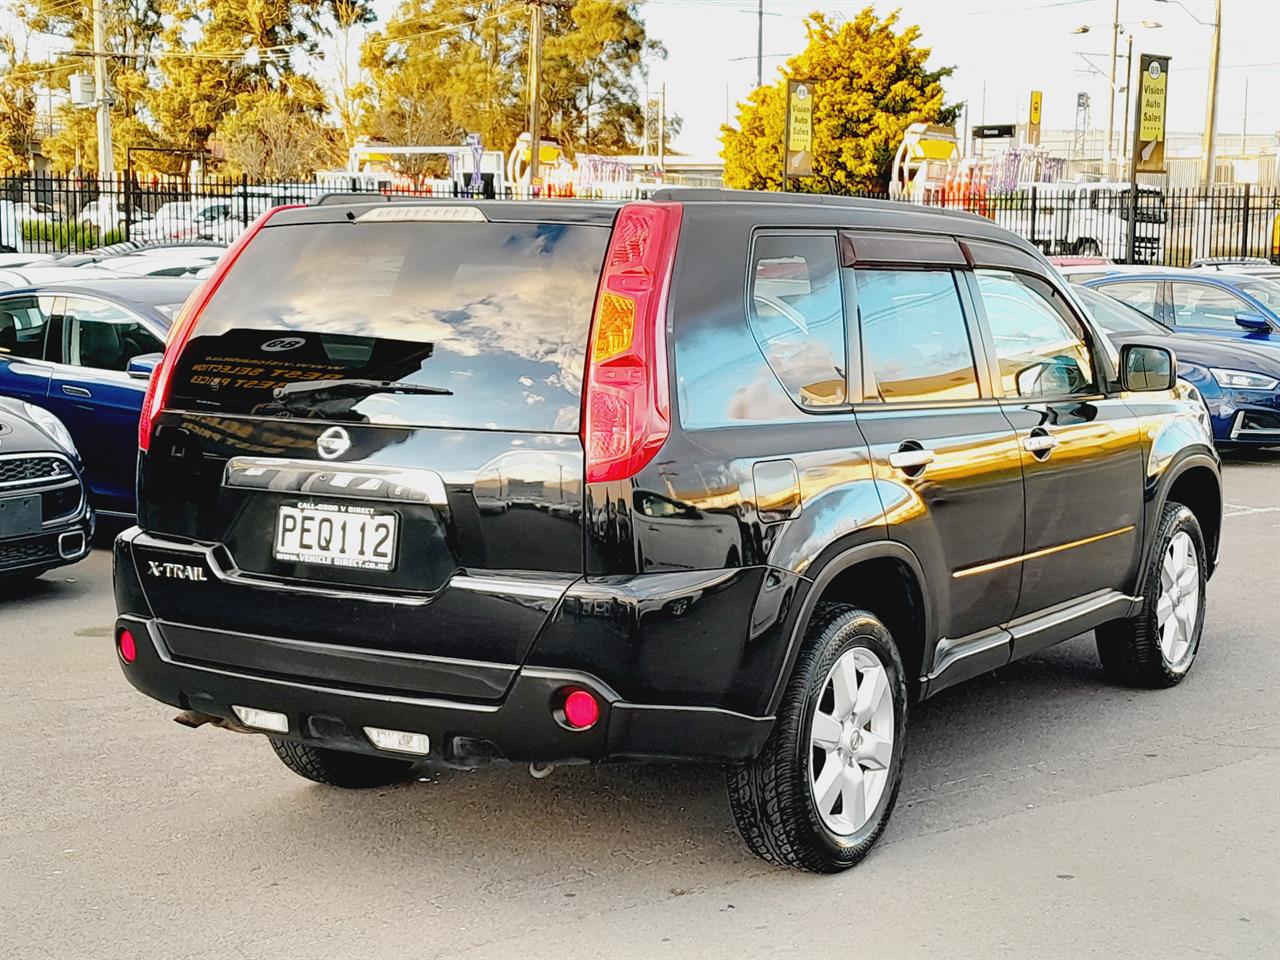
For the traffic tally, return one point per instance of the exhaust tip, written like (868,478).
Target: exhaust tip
(72,545)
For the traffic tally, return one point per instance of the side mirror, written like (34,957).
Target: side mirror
(1253,321)
(143,365)
(1144,368)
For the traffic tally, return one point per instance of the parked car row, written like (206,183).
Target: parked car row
(1222,320)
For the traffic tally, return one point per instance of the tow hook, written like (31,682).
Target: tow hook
(194,718)
(540,771)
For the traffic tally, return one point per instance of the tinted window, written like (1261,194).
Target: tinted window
(103,336)
(797,315)
(915,344)
(1139,294)
(1040,351)
(1203,305)
(22,326)
(497,313)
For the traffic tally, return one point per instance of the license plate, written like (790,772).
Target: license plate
(20,515)
(336,535)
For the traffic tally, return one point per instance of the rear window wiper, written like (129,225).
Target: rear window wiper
(352,389)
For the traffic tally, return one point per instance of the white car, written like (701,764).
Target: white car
(105,214)
(161,263)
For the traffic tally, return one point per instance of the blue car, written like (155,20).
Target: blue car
(1227,305)
(85,351)
(1238,381)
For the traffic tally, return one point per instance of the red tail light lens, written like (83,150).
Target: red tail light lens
(161,380)
(127,646)
(626,415)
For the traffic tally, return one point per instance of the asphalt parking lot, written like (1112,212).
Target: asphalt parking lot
(1044,813)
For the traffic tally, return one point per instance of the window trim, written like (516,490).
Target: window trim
(852,360)
(1103,375)
(868,392)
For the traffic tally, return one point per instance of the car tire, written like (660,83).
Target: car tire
(1088,248)
(340,768)
(1157,647)
(784,810)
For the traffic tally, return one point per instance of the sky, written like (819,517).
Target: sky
(1011,47)
(1001,51)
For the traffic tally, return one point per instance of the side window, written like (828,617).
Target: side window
(797,316)
(1139,294)
(915,343)
(1202,305)
(23,323)
(1040,350)
(104,337)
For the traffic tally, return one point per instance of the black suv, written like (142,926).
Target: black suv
(733,477)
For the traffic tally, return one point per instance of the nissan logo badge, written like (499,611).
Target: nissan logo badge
(333,443)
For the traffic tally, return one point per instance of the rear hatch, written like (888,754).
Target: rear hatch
(427,500)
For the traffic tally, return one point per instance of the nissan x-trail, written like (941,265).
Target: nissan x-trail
(726,477)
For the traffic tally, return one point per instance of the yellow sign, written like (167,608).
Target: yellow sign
(799,136)
(1153,84)
(1033,118)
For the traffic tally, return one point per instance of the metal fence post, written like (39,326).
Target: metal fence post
(244,199)
(1034,242)
(128,195)
(1244,223)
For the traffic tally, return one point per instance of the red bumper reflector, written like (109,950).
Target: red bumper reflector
(128,649)
(581,710)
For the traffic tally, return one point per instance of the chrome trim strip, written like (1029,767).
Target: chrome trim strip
(511,587)
(501,586)
(427,482)
(1042,620)
(1036,554)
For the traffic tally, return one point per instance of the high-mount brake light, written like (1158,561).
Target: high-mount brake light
(626,403)
(161,384)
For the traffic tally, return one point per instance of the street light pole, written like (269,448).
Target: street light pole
(535,94)
(1111,90)
(1211,106)
(106,163)
(759,44)
(1128,95)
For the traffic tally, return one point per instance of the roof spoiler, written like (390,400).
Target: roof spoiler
(340,197)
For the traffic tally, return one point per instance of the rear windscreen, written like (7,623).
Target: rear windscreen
(497,314)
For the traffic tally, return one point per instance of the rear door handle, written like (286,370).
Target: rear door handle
(910,459)
(71,391)
(1040,444)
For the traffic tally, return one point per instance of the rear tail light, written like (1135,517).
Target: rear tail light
(626,403)
(161,384)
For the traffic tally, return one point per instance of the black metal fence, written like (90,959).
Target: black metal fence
(1171,228)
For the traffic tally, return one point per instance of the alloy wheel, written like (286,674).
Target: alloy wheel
(1179,605)
(851,741)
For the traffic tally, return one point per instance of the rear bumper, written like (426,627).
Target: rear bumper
(330,693)
(523,727)
(55,546)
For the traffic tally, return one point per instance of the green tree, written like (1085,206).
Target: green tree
(218,55)
(443,68)
(18,91)
(133,29)
(870,83)
(267,137)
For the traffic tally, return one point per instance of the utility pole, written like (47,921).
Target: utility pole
(105,162)
(535,93)
(1244,123)
(662,131)
(759,44)
(1111,91)
(1211,106)
(1128,95)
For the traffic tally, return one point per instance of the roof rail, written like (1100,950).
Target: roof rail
(716,195)
(348,196)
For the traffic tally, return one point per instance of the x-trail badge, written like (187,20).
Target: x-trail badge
(333,443)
